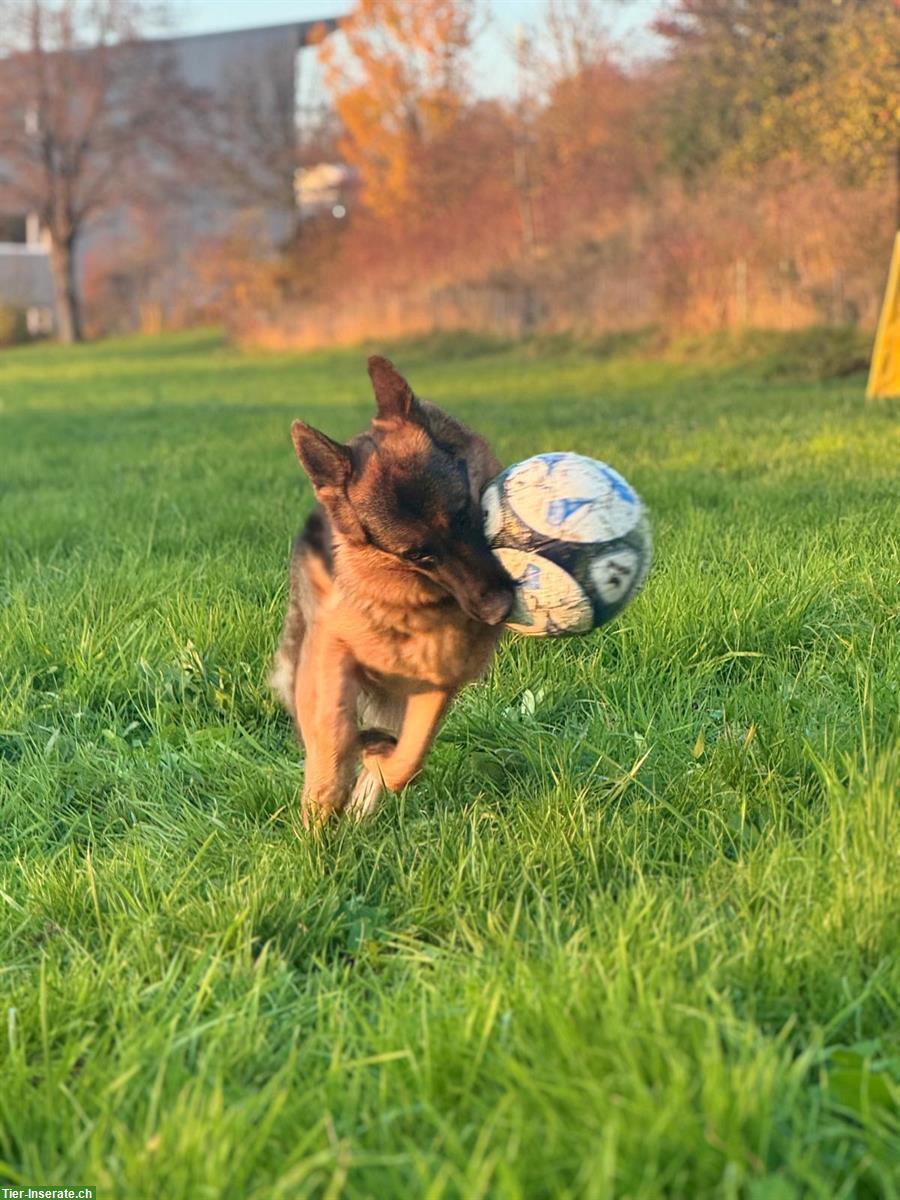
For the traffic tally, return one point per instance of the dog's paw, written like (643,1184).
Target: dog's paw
(365,797)
(314,814)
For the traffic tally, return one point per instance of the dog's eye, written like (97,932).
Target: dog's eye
(422,558)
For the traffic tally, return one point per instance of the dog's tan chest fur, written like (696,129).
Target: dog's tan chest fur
(418,649)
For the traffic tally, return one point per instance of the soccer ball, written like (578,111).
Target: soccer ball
(573,535)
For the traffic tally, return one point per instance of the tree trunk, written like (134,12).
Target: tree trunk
(68,300)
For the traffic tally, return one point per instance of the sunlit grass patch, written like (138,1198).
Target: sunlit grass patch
(635,931)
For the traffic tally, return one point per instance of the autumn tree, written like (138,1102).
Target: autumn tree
(850,112)
(575,38)
(736,63)
(89,113)
(756,80)
(590,151)
(399,77)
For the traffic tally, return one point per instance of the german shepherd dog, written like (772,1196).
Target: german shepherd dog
(396,600)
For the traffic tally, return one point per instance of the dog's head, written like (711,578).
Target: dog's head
(402,493)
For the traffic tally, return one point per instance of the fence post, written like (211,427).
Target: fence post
(740,291)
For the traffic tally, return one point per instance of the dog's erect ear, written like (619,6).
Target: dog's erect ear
(329,466)
(393,395)
(327,463)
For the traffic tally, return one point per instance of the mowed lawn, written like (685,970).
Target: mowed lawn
(635,932)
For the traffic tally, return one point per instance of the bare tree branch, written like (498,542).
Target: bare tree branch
(92,116)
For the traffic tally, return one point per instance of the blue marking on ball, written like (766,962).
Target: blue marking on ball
(560,510)
(551,460)
(618,485)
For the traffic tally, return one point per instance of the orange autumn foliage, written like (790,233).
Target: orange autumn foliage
(399,80)
(603,194)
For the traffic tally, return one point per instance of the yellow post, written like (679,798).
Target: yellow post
(884,369)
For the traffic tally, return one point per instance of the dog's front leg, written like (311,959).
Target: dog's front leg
(424,713)
(326,691)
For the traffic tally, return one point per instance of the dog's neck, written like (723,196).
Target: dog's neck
(387,595)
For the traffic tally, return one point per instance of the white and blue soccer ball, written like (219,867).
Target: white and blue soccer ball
(574,536)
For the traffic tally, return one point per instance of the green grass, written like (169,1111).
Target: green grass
(635,932)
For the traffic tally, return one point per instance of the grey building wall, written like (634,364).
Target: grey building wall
(25,277)
(248,77)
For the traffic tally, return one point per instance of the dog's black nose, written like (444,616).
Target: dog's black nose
(495,606)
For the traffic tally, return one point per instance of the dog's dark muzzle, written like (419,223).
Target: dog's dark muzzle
(480,586)
(494,607)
